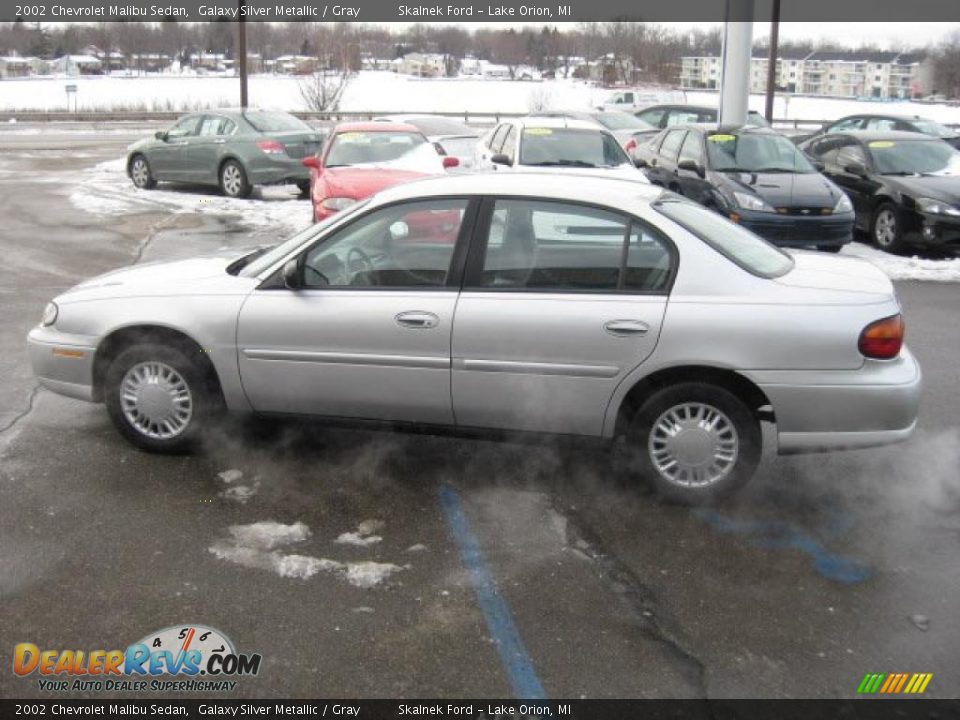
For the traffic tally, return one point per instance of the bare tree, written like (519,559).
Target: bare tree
(323,90)
(946,66)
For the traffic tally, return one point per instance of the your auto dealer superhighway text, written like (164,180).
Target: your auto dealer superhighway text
(247,710)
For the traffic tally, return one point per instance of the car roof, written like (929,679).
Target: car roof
(547,121)
(375,126)
(594,188)
(866,135)
(892,116)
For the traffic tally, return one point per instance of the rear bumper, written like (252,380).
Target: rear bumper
(837,410)
(266,170)
(800,231)
(61,363)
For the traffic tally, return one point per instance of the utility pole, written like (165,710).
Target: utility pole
(772,60)
(737,49)
(242,54)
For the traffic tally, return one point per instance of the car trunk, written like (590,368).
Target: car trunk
(299,144)
(819,271)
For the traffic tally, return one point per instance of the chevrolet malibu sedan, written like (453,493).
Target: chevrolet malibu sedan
(232,149)
(558,305)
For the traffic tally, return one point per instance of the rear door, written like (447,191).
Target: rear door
(665,163)
(560,302)
(202,152)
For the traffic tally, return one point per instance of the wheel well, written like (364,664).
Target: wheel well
(119,340)
(729,380)
(225,161)
(130,160)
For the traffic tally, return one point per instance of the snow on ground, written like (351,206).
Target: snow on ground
(363,536)
(380,91)
(901,267)
(258,546)
(105,189)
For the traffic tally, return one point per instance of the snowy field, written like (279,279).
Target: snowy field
(106,190)
(385,92)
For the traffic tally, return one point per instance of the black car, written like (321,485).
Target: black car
(905,187)
(754,176)
(664,116)
(884,123)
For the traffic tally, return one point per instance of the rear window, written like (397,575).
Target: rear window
(269,122)
(749,251)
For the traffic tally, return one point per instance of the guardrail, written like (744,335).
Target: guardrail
(467,116)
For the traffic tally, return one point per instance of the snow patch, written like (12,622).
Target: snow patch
(230,476)
(899,267)
(363,536)
(240,493)
(369,574)
(268,534)
(419,547)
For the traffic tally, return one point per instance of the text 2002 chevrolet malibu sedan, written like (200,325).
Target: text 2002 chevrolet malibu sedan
(507,303)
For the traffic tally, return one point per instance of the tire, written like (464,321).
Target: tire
(233,180)
(140,173)
(735,432)
(885,230)
(829,248)
(304,187)
(176,393)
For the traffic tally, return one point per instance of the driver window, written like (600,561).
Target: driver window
(405,245)
(183,128)
(850,155)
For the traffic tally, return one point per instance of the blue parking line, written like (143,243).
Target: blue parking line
(513,654)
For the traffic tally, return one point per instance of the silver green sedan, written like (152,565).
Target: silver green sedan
(233,149)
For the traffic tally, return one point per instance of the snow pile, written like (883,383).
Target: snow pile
(899,267)
(258,546)
(363,536)
(237,493)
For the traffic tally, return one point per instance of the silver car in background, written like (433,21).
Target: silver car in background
(571,305)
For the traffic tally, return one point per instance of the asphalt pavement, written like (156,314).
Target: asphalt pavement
(446,567)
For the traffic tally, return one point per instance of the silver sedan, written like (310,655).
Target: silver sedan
(515,303)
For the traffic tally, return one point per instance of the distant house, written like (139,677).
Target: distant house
(423,65)
(292,65)
(149,62)
(112,60)
(14,67)
(76,65)
(368,62)
(491,71)
(216,62)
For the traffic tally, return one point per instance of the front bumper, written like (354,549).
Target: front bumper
(62,363)
(934,230)
(799,230)
(817,411)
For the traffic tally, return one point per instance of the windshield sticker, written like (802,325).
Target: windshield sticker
(721,138)
(882,144)
(353,136)
(538,131)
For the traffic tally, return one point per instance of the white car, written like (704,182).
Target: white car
(551,144)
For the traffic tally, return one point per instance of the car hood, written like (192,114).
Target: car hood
(362,182)
(821,271)
(784,189)
(626,172)
(939,187)
(207,274)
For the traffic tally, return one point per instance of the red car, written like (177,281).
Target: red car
(360,159)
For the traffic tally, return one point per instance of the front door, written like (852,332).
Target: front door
(560,302)
(167,158)
(368,334)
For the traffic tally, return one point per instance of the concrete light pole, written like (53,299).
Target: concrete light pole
(735,71)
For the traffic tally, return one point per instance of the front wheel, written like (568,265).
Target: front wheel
(157,397)
(886,230)
(695,442)
(304,187)
(233,180)
(141,174)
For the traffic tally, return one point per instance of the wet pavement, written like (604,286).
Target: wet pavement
(429,566)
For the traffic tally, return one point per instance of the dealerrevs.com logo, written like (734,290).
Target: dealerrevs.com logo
(180,658)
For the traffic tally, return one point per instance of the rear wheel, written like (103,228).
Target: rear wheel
(157,397)
(304,187)
(233,180)
(886,231)
(140,173)
(695,442)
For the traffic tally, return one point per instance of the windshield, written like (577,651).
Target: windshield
(747,250)
(439,126)
(358,148)
(929,127)
(570,147)
(914,157)
(755,152)
(621,121)
(267,122)
(278,252)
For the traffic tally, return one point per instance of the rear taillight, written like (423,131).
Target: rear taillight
(271,147)
(631,145)
(882,340)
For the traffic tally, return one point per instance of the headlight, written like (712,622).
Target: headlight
(937,207)
(843,204)
(752,202)
(49,315)
(337,203)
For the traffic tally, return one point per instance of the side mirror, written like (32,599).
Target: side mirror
(161,135)
(691,166)
(450,162)
(311,161)
(855,169)
(640,163)
(399,230)
(500,159)
(292,277)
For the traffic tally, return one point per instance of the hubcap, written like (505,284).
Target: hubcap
(156,400)
(886,229)
(693,445)
(140,172)
(232,180)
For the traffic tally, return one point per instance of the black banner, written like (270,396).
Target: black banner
(866,709)
(530,11)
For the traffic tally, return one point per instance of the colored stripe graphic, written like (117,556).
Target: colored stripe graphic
(513,654)
(894,683)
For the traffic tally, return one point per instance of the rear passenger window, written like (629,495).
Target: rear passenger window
(556,247)
(671,144)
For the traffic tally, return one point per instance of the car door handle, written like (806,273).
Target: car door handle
(626,328)
(219,142)
(417,319)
